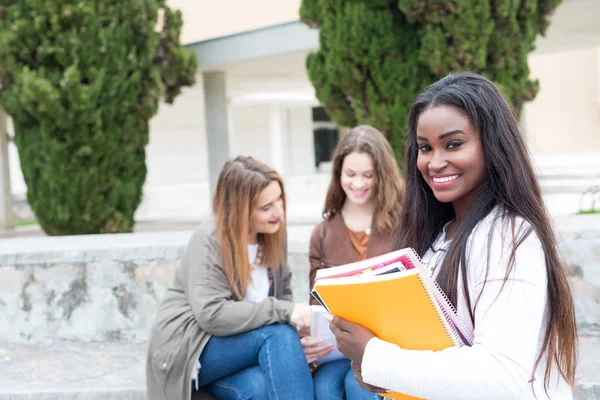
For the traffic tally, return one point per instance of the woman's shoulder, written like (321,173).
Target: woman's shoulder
(322,227)
(500,233)
(205,234)
(502,224)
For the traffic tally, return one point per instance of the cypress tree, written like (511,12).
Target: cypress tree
(81,80)
(375,56)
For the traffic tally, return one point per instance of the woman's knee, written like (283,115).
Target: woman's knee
(281,333)
(329,381)
(350,381)
(257,385)
(354,391)
(247,384)
(279,330)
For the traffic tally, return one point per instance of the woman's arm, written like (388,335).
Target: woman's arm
(286,277)
(509,318)
(212,301)
(315,258)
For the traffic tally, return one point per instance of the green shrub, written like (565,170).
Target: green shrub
(81,80)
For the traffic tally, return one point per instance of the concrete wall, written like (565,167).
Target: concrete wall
(206,19)
(108,287)
(95,287)
(177,161)
(565,115)
(250,132)
(176,153)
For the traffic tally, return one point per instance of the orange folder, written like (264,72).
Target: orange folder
(399,308)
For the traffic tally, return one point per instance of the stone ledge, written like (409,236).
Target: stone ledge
(107,394)
(108,287)
(91,248)
(121,247)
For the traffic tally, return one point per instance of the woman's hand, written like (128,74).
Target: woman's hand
(300,317)
(315,348)
(356,367)
(351,338)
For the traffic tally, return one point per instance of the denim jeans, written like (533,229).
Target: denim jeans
(335,381)
(265,363)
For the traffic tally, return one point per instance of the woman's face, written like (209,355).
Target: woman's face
(451,158)
(267,213)
(358,178)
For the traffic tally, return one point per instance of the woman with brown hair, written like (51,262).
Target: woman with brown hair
(474,211)
(361,214)
(228,324)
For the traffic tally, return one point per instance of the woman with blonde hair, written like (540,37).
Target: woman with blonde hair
(228,325)
(361,215)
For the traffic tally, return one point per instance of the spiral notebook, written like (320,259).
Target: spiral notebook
(319,328)
(395,296)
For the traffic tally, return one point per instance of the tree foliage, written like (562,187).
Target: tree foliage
(375,56)
(81,80)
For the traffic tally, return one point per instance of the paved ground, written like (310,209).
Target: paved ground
(103,371)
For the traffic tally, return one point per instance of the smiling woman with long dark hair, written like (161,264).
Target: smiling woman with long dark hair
(474,210)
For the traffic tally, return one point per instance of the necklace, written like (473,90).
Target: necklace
(346,217)
(438,249)
(431,266)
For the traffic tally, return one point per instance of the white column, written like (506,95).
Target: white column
(301,145)
(233,150)
(277,122)
(215,102)
(7,219)
(598,73)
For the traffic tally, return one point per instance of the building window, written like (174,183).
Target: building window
(326,136)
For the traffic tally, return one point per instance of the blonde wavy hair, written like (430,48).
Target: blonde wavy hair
(240,182)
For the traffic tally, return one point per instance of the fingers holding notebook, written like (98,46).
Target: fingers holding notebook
(351,338)
(315,348)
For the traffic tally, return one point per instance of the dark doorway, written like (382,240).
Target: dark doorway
(326,135)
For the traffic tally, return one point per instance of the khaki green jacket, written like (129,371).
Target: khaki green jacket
(200,304)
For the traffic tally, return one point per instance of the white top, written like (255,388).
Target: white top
(509,329)
(258,288)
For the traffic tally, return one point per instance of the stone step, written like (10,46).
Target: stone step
(84,394)
(73,371)
(115,370)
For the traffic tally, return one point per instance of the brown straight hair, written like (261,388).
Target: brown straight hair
(388,184)
(240,182)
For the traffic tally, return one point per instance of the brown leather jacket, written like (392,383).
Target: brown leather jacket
(330,246)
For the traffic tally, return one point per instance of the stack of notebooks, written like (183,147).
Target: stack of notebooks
(395,296)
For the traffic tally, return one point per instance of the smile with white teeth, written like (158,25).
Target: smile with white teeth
(445,179)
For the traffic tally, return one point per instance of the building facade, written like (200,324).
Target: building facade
(253,97)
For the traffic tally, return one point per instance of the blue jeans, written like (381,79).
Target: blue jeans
(265,363)
(335,381)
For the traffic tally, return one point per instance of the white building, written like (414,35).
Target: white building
(253,97)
